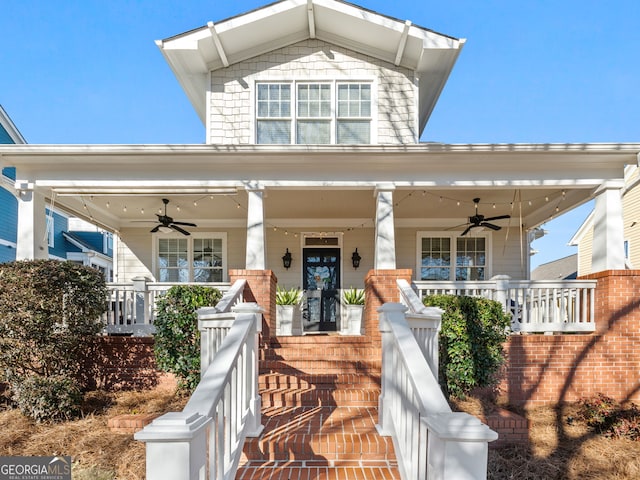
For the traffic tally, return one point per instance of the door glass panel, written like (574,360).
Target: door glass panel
(321,283)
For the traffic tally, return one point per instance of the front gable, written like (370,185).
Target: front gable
(196,55)
(233,104)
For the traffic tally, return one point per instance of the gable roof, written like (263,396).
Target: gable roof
(561,269)
(8,131)
(192,55)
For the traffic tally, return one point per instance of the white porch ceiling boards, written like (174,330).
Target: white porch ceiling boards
(192,55)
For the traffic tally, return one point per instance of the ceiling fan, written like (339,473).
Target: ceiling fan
(167,222)
(478,220)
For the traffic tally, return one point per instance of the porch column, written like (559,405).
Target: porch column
(256,252)
(385,246)
(32,240)
(608,229)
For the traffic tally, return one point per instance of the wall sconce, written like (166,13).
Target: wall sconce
(286,260)
(355,259)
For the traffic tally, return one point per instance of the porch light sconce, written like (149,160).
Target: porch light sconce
(355,259)
(286,260)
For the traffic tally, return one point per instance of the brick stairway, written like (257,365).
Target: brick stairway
(319,407)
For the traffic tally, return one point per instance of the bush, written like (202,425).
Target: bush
(177,340)
(470,343)
(56,397)
(607,417)
(49,310)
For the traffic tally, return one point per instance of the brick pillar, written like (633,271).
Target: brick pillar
(380,287)
(260,288)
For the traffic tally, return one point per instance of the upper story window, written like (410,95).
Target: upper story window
(322,113)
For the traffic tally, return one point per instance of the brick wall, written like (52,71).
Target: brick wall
(560,368)
(123,363)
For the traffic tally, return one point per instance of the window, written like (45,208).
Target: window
(51,233)
(354,113)
(323,113)
(313,125)
(274,113)
(199,258)
(447,257)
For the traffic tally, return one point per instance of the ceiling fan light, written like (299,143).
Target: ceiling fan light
(164,229)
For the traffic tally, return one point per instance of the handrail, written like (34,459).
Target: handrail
(429,439)
(207,437)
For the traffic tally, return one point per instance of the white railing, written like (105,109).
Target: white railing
(541,306)
(131,306)
(205,440)
(431,442)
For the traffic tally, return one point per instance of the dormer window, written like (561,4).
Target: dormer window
(323,113)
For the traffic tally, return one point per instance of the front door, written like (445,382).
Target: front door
(321,282)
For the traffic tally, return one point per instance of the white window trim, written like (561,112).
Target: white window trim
(51,230)
(373,119)
(488,268)
(213,235)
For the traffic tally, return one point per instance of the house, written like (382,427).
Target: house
(95,250)
(313,174)
(583,238)
(561,269)
(314,113)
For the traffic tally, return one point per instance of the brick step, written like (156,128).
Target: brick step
(328,352)
(318,470)
(321,366)
(310,397)
(295,380)
(319,434)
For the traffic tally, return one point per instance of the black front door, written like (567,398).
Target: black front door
(321,282)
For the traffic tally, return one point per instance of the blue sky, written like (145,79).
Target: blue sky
(88,71)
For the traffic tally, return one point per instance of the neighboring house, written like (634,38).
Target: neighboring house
(88,248)
(313,114)
(560,269)
(630,236)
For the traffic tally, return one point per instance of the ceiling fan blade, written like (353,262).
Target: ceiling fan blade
(155,229)
(178,229)
(186,224)
(499,217)
(467,230)
(457,226)
(490,225)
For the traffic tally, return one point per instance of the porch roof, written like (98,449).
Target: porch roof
(193,54)
(81,176)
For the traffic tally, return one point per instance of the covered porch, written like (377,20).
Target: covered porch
(395,207)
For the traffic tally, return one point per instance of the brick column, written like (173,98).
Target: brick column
(380,287)
(260,288)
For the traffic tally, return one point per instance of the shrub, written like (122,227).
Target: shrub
(177,340)
(56,397)
(49,310)
(607,417)
(470,343)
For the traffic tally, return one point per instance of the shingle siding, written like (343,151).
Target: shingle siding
(231,100)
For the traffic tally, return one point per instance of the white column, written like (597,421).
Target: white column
(32,223)
(256,249)
(608,229)
(385,246)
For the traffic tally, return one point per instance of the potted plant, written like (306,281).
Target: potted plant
(288,311)
(353,299)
